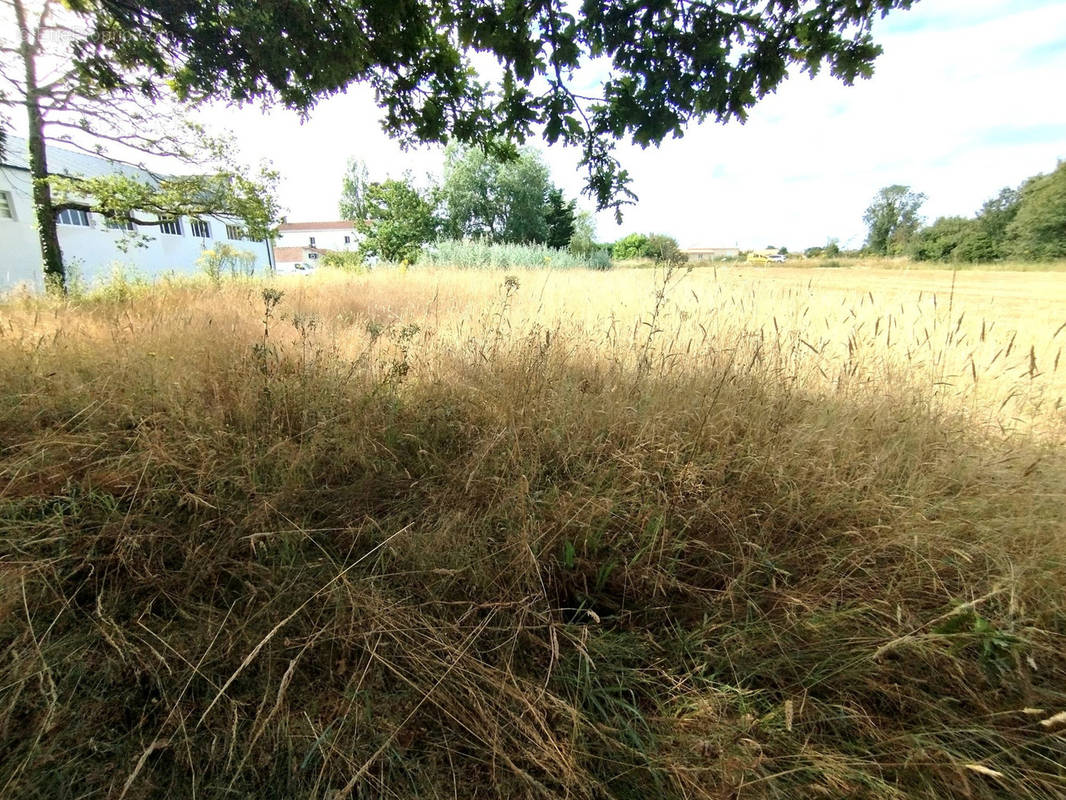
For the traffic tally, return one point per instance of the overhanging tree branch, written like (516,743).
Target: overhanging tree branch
(669,64)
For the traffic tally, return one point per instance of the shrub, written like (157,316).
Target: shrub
(224,259)
(600,258)
(633,246)
(939,241)
(657,246)
(978,244)
(347,260)
(664,249)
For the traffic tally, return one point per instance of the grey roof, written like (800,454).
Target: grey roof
(68,162)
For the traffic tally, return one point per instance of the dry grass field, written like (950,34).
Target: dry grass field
(745,533)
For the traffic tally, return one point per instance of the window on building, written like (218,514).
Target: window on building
(7,206)
(234,232)
(312,256)
(73,216)
(118,224)
(312,241)
(347,239)
(171,226)
(200,229)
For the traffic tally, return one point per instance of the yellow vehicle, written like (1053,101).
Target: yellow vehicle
(766,257)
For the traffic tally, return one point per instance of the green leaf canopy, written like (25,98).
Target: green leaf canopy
(659,64)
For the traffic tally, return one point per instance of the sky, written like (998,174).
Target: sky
(967,98)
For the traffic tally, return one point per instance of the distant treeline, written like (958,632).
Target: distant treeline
(1023,224)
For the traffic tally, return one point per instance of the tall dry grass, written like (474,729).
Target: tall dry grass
(907,264)
(744,534)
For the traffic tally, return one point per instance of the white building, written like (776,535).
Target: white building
(710,253)
(300,245)
(336,235)
(296,259)
(92,244)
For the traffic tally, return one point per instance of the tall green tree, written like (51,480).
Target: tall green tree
(398,220)
(583,240)
(65,106)
(496,199)
(986,238)
(997,213)
(665,64)
(560,216)
(354,184)
(1038,230)
(892,218)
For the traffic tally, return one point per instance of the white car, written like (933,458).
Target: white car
(778,259)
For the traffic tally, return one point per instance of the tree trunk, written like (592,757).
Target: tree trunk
(55,278)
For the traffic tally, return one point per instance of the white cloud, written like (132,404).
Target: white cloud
(963,102)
